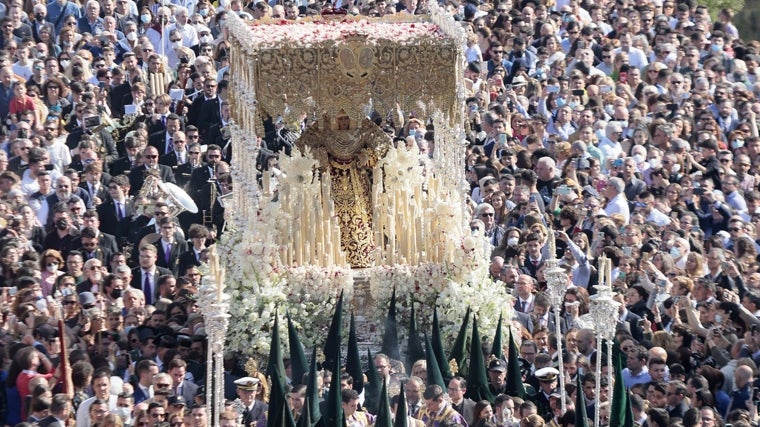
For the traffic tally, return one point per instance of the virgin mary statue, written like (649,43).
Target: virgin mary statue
(347,154)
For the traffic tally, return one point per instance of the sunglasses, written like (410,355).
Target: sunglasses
(151,157)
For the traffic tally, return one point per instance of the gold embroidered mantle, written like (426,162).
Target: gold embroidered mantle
(347,157)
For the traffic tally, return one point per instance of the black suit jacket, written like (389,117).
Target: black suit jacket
(214,136)
(102,192)
(50,421)
(204,114)
(178,247)
(530,269)
(137,177)
(187,259)
(137,279)
(108,151)
(631,321)
(172,160)
(122,165)
(182,175)
(198,181)
(159,140)
(109,220)
(117,98)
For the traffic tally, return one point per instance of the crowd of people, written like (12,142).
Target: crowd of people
(623,128)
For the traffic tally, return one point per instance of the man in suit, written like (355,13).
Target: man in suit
(178,156)
(524,285)
(146,369)
(137,174)
(534,259)
(40,13)
(114,214)
(177,368)
(95,183)
(628,320)
(254,410)
(169,247)
(206,110)
(163,139)
(219,134)
(183,172)
(60,412)
(123,165)
(677,406)
(200,176)
(465,406)
(197,234)
(91,248)
(145,276)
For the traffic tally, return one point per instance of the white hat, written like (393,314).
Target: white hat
(247,383)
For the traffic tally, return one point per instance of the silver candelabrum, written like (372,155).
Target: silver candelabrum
(215,307)
(604,311)
(556,280)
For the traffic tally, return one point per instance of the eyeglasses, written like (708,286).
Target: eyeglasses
(162,385)
(725,160)
(487,214)
(677,82)
(62,186)
(151,157)
(193,136)
(69,302)
(497,51)
(25,148)
(53,87)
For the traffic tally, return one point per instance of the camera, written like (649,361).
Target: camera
(92,122)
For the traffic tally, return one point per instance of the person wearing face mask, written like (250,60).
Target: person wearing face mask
(40,22)
(62,238)
(50,263)
(158,32)
(188,33)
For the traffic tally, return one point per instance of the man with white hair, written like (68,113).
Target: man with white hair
(189,34)
(546,172)
(91,22)
(614,192)
(493,231)
(610,144)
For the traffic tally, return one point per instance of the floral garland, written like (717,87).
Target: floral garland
(311,33)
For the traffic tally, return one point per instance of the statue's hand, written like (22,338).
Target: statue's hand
(362,158)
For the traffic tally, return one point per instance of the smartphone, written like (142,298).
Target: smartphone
(49,167)
(563,190)
(12,291)
(578,92)
(503,139)
(627,251)
(672,107)
(552,89)
(618,163)
(102,85)
(532,198)
(509,87)
(623,76)
(699,191)
(605,89)
(724,265)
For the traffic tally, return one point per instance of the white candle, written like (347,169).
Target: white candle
(552,245)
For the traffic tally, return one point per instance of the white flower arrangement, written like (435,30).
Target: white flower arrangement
(311,33)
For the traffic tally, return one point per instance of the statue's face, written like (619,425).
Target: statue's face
(344,122)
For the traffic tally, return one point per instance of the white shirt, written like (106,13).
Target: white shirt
(636,57)
(618,205)
(83,413)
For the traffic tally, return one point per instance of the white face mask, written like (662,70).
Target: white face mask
(177,44)
(674,252)
(512,241)
(654,163)
(718,318)
(52,269)
(206,39)
(132,36)
(639,158)
(65,63)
